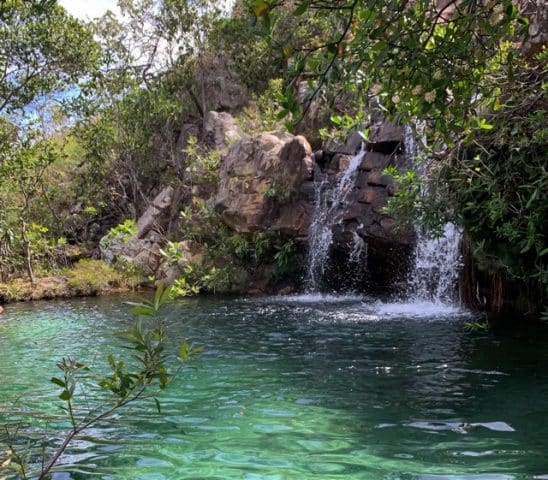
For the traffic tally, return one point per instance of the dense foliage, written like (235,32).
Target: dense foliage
(96,118)
(465,74)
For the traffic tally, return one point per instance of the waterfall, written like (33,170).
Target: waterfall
(436,266)
(437,260)
(328,203)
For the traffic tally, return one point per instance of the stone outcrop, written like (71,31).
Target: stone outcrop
(142,252)
(220,130)
(221,87)
(359,222)
(152,216)
(143,248)
(259,184)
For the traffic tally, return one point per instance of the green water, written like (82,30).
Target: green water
(300,389)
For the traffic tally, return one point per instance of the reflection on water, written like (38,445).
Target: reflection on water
(299,388)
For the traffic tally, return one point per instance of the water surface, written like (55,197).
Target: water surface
(297,388)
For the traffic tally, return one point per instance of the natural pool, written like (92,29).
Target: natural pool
(299,388)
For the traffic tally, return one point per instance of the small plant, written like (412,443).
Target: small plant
(172,253)
(267,112)
(262,243)
(131,274)
(343,126)
(284,258)
(199,278)
(183,288)
(480,326)
(202,164)
(239,246)
(123,232)
(272,192)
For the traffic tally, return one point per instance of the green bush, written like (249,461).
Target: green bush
(90,277)
(123,231)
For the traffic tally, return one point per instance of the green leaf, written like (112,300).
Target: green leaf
(282,114)
(260,8)
(266,21)
(65,395)
(303,7)
(197,350)
(58,381)
(184,350)
(142,310)
(158,405)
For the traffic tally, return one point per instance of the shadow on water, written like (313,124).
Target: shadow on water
(325,387)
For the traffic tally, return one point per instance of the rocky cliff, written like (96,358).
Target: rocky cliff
(270,182)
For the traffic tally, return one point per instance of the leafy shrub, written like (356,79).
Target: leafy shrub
(199,278)
(266,112)
(202,164)
(90,277)
(123,231)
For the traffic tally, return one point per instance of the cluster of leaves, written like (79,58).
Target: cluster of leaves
(199,278)
(124,231)
(416,60)
(266,112)
(498,180)
(42,49)
(202,164)
(220,268)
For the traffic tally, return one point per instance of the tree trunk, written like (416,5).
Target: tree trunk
(27,253)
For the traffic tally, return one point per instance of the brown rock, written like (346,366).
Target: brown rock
(294,219)
(376,196)
(388,224)
(260,174)
(376,178)
(375,160)
(386,132)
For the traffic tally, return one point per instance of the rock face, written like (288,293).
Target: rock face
(154,213)
(259,184)
(220,130)
(142,252)
(143,248)
(358,221)
(221,86)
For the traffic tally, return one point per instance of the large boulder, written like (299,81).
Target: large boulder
(260,176)
(141,252)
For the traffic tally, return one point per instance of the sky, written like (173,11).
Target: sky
(88,9)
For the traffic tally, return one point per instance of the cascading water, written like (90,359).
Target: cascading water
(328,204)
(436,266)
(437,260)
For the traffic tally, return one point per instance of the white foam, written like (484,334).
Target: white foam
(416,309)
(315,298)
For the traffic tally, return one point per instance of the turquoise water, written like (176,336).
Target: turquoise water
(301,388)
